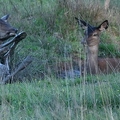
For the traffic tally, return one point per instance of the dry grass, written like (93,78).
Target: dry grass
(53,39)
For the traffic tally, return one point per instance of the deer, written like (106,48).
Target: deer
(6,30)
(7,49)
(94,64)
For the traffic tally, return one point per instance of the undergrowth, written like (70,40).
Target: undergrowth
(53,39)
(63,99)
(52,33)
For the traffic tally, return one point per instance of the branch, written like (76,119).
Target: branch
(4,50)
(8,51)
(22,66)
(17,39)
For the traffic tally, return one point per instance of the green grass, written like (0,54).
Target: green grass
(64,99)
(42,19)
(52,37)
(109,50)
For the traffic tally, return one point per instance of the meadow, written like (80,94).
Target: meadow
(54,37)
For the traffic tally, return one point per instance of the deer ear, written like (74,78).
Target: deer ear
(5,18)
(82,23)
(103,26)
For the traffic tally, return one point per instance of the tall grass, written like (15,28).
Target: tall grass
(54,41)
(58,100)
(53,35)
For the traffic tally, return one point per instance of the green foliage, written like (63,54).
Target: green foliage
(42,19)
(53,99)
(52,37)
(108,50)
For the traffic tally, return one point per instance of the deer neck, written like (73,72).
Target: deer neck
(92,59)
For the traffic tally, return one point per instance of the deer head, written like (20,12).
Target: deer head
(6,30)
(91,39)
(91,33)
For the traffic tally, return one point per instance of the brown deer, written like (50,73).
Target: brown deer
(6,30)
(91,40)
